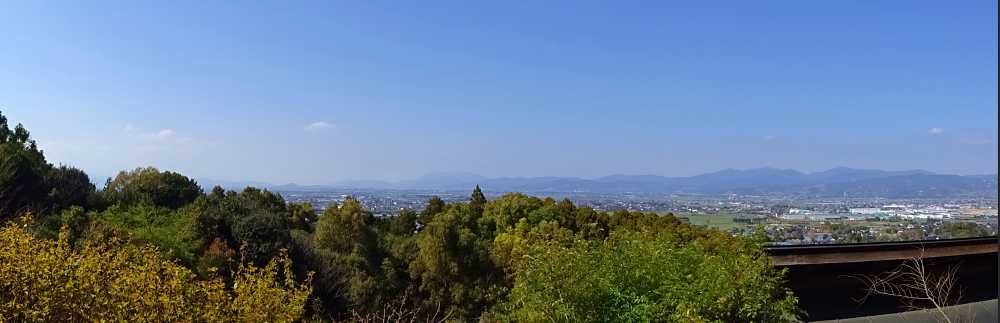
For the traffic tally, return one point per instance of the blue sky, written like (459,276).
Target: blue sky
(327,91)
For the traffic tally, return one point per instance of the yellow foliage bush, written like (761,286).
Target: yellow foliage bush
(45,280)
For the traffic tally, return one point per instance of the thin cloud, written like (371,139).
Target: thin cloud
(935,131)
(770,138)
(318,125)
(166,133)
(977,137)
(131,130)
(166,139)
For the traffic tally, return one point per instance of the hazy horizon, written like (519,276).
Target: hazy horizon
(101,177)
(329,92)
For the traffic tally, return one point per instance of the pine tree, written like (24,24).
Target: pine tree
(23,170)
(478,199)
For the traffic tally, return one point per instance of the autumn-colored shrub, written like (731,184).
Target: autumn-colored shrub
(46,280)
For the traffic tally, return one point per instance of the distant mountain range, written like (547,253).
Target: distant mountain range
(761,181)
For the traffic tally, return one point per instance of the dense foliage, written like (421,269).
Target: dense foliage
(635,277)
(226,255)
(29,183)
(46,280)
(150,185)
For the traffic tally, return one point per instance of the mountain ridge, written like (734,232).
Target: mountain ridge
(836,181)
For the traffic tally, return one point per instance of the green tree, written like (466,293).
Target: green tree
(302,216)
(435,205)
(513,247)
(346,228)
(453,266)
(256,220)
(261,235)
(404,224)
(477,200)
(74,218)
(171,231)
(69,186)
(346,249)
(590,224)
(504,212)
(635,277)
(397,239)
(22,171)
(150,185)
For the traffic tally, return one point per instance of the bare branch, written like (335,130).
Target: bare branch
(914,285)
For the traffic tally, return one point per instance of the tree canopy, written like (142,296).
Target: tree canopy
(150,185)
(45,280)
(28,183)
(152,245)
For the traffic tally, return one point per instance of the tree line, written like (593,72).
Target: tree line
(249,256)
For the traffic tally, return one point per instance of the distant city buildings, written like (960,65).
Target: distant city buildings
(787,220)
(867,211)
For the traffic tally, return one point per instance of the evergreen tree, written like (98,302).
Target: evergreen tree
(434,206)
(478,199)
(22,171)
(68,186)
(477,202)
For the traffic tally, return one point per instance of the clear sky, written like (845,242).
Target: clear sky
(320,92)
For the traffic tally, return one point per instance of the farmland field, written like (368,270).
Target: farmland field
(717,221)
